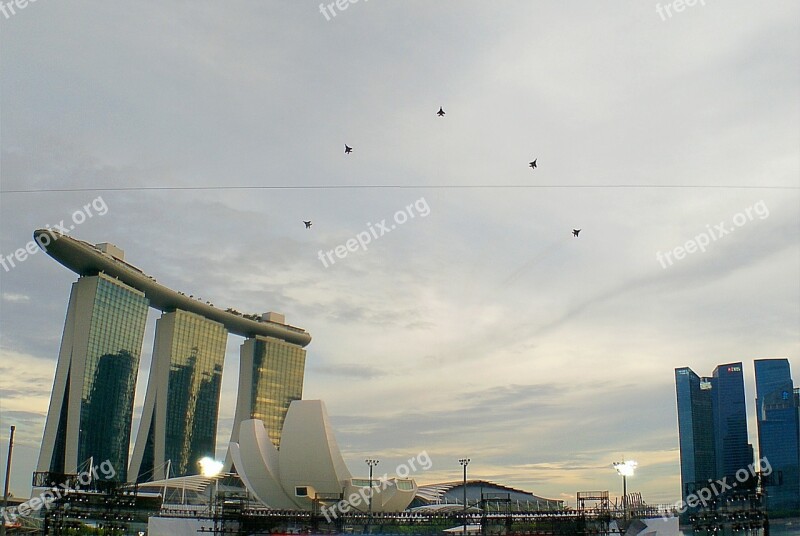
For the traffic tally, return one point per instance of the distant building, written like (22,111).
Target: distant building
(730,420)
(90,411)
(449,497)
(712,428)
(778,435)
(92,402)
(695,430)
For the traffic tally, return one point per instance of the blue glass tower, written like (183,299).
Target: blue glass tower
(712,427)
(695,427)
(778,439)
(733,452)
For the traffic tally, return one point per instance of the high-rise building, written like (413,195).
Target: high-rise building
(92,401)
(91,406)
(270,379)
(695,426)
(179,419)
(712,427)
(733,452)
(778,439)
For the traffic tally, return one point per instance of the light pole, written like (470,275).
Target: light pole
(464,463)
(8,475)
(211,468)
(625,468)
(372,463)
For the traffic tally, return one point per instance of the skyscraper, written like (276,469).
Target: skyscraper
(270,378)
(733,452)
(712,427)
(179,420)
(695,427)
(778,439)
(92,401)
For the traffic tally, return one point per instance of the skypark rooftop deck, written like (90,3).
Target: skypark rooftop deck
(86,259)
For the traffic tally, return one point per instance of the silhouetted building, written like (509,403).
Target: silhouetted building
(695,430)
(712,429)
(778,439)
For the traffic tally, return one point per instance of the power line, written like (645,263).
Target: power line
(400,187)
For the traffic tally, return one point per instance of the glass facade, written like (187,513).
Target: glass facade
(730,421)
(195,376)
(695,430)
(778,440)
(113,342)
(277,380)
(184,384)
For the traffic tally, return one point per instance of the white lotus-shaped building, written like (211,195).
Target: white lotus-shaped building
(308,469)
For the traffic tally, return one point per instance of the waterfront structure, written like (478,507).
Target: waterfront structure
(90,410)
(712,427)
(778,434)
(91,405)
(179,419)
(307,470)
(481,494)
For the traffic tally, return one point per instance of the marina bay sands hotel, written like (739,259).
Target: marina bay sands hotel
(91,408)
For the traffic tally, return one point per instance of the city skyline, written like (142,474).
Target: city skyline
(478,328)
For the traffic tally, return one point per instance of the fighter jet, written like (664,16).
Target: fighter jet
(533,164)
(308,224)
(575,232)
(440,113)
(347,149)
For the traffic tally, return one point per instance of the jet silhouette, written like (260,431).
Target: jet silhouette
(347,149)
(308,224)
(533,164)
(575,232)
(440,113)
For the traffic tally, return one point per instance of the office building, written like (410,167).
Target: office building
(695,424)
(778,439)
(712,427)
(733,451)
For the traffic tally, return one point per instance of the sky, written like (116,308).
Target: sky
(197,136)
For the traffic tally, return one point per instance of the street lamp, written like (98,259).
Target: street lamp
(626,469)
(464,463)
(211,468)
(372,463)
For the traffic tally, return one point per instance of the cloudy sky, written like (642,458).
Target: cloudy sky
(480,327)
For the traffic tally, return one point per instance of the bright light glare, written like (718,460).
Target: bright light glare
(209,467)
(625,468)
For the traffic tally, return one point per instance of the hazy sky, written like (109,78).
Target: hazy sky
(483,328)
